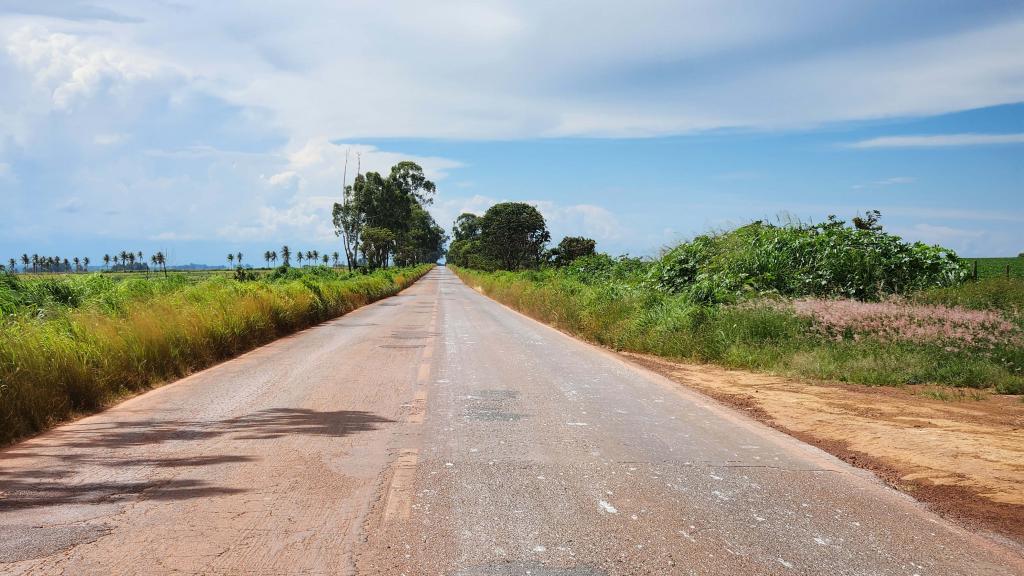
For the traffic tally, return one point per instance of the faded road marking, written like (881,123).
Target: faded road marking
(398,505)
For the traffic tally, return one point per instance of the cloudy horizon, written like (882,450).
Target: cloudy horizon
(202,128)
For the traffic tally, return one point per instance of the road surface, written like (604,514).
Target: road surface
(438,432)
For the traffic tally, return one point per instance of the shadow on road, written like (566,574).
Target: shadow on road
(61,466)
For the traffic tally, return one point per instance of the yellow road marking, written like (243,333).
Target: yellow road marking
(398,505)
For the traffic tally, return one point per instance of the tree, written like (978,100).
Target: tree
(299,256)
(78,264)
(24,262)
(161,261)
(12,265)
(326,259)
(238,258)
(467,227)
(85,263)
(286,255)
(382,203)
(334,258)
(571,248)
(106,260)
(377,244)
(231,259)
(514,235)
(273,256)
(266,257)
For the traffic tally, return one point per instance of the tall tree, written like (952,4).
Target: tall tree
(514,235)
(286,255)
(231,259)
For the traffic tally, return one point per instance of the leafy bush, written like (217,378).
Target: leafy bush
(825,260)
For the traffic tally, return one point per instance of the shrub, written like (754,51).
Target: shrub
(828,259)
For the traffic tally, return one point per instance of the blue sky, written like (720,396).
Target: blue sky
(202,128)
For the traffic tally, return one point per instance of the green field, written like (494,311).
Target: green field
(996,267)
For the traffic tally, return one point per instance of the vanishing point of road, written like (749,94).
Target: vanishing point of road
(438,432)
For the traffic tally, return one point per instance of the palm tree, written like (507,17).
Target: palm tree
(310,256)
(161,262)
(326,259)
(67,265)
(24,262)
(335,258)
(13,265)
(266,257)
(78,264)
(131,259)
(238,258)
(35,262)
(286,255)
(299,256)
(231,259)
(106,260)
(124,258)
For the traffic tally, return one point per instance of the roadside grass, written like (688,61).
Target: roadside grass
(72,345)
(759,334)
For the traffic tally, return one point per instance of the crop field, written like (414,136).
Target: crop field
(997,267)
(69,343)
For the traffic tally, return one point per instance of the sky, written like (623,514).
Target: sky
(202,128)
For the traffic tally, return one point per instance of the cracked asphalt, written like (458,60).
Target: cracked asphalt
(438,432)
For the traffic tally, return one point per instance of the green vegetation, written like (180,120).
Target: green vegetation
(828,301)
(382,219)
(824,260)
(72,343)
(996,267)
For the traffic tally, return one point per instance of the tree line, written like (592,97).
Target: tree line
(511,236)
(125,261)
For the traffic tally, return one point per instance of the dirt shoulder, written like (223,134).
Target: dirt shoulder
(963,457)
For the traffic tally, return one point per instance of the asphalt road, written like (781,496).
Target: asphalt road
(438,432)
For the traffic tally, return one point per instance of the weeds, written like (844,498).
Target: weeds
(765,334)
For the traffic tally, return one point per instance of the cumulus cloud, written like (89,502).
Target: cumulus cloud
(69,67)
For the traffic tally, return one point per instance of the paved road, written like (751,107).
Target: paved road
(439,433)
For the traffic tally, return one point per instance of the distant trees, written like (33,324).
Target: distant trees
(514,234)
(286,255)
(76,264)
(231,259)
(384,218)
(571,248)
(509,236)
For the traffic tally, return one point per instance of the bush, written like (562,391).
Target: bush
(825,260)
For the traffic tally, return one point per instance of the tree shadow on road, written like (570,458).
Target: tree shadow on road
(60,467)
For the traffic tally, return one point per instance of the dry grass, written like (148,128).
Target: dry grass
(75,360)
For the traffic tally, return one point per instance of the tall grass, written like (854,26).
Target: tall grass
(71,354)
(757,334)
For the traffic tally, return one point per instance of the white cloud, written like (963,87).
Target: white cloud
(69,68)
(893,181)
(939,141)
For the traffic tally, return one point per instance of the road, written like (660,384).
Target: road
(438,432)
